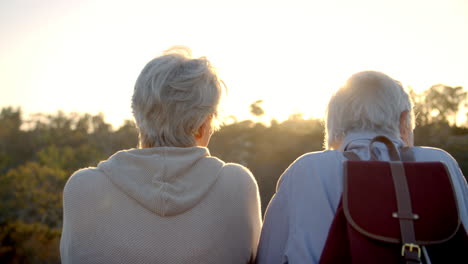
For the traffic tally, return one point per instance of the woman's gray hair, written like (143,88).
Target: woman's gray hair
(173,96)
(369,101)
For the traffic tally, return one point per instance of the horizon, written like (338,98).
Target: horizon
(85,56)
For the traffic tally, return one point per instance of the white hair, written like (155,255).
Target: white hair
(174,95)
(369,101)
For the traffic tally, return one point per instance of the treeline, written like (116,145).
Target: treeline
(39,154)
(36,158)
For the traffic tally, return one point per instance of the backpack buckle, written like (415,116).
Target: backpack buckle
(410,247)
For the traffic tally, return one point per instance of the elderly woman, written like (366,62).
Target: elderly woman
(168,201)
(300,214)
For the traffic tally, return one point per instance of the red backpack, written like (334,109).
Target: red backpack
(396,212)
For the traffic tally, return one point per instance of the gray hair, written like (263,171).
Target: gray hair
(173,96)
(369,101)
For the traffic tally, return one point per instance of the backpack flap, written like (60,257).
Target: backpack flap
(370,206)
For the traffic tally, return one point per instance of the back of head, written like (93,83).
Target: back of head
(369,101)
(173,97)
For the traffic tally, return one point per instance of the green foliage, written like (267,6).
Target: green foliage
(11,121)
(439,104)
(36,159)
(32,193)
(11,148)
(29,243)
(31,214)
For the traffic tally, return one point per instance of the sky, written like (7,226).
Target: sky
(85,55)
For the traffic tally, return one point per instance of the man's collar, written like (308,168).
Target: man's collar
(363,138)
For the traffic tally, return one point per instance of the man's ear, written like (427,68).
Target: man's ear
(406,133)
(403,123)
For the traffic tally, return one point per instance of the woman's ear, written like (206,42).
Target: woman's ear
(199,133)
(203,134)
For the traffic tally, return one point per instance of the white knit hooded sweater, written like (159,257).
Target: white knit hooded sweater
(161,205)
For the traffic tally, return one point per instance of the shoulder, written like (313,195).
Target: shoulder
(235,180)
(432,154)
(83,182)
(235,168)
(318,157)
(312,161)
(237,189)
(239,173)
(227,169)
(435,154)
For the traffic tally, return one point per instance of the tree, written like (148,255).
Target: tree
(29,243)
(11,121)
(36,158)
(256,108)
(12,147)
(442,103)
(31,214)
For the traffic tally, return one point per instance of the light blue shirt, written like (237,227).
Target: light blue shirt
(299,215)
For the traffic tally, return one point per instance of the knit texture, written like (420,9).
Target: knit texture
(161,205)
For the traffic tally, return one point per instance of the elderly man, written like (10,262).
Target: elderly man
(300,214)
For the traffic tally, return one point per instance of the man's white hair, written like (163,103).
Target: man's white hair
(173,96)
(369,101)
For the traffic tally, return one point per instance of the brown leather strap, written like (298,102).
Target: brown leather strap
(405,212)
(392,152)
(412,257)
(351,155)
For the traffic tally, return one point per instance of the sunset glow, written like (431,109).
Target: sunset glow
(85,56)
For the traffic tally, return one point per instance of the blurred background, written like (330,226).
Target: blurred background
(67,70)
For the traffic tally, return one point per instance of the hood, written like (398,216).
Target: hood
(358,142)
(165,180)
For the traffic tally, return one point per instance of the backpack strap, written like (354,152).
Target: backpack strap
(407,154)
(351,155)
(392,152)
(410,250)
